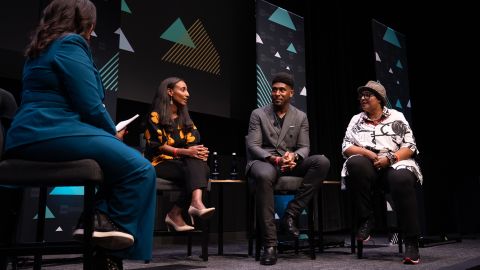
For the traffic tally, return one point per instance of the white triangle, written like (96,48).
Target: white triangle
(259,40)
(408,104)
(391,71)
(288,67)
(276,216)
(303,92)
(377,57)
(389,207)
(93,34)
(398,82)
(59,229)
(278,55)
(124,44)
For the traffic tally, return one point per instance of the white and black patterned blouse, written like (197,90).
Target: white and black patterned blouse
(391,134)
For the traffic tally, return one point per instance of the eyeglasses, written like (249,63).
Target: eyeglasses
(366,94)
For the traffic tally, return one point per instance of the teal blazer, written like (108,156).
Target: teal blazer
(62,96)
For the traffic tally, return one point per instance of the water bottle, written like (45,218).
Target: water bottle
(215,172)
(233,170)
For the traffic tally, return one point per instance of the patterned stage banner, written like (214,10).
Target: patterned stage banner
(280,42)
(391,66)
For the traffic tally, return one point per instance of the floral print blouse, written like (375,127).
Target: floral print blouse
(391,134)
(158,135)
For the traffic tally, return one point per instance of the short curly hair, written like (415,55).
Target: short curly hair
(284,77)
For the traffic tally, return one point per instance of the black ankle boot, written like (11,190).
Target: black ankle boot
(288,225)
(363,232)
(412,255)
(269,256)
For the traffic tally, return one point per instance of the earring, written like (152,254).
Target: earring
(171,100)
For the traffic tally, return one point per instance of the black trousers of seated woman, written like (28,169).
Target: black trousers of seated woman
(362,176)
(189,173)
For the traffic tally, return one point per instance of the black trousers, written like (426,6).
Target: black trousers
(313,169)
(362,176)
(190,173)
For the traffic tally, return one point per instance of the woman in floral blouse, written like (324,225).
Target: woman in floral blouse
(173,148)
(379,146)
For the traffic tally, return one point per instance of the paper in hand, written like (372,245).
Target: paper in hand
(123,124)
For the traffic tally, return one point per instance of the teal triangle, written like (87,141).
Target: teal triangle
(125,7)
(303,237)
(178,33)
(67,191)
(291,48)
(398,105)
(48,214)
(282,17)
(391,37)
(399,64)
(304,212)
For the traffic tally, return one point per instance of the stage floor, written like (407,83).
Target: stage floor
(377,255)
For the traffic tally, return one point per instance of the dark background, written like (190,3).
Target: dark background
(442,62)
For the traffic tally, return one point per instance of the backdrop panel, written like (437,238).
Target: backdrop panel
(280,42)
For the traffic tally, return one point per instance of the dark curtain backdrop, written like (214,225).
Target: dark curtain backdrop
(340,58)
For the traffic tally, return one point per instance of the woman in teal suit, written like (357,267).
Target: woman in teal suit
(62,117)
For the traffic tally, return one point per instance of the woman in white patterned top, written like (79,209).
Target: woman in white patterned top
(379,147)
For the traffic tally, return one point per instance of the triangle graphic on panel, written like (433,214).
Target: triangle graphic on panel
(202,55)
(276,216)
(391,37)
(398,82)
(398,104)
(287,68)
(390,71)
(399,64)
(76,191)
(304,212)
(291,48)
(303,92)
(263,88)
(282,17)
(48,214)
(93,34)
(125,7)
(408,104)
(177,33)
(377,57)
(123,43)
(389,207)
(259,40)
(303,236)
(59,229)
(278,55)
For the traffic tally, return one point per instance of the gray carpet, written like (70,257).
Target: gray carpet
(377,255)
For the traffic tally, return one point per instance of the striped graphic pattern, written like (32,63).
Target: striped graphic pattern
(263,88)
(109,74)
(204,57)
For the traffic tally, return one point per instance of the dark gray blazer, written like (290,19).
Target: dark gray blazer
(265,137)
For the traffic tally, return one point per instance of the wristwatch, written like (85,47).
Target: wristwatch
(296,157)
(392,157)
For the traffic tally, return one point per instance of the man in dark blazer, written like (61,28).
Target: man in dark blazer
(278,144)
